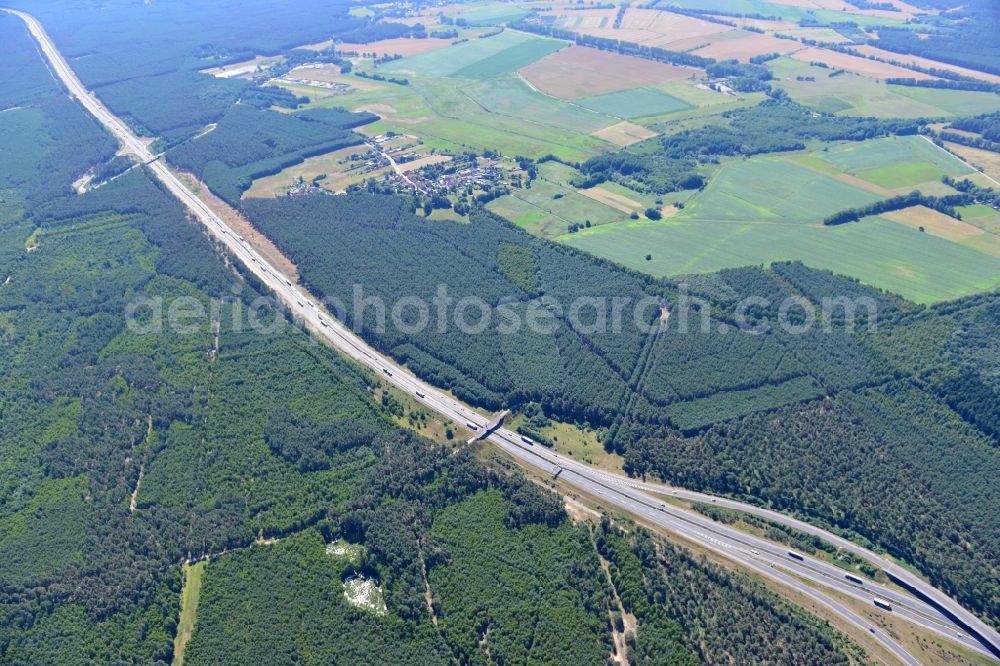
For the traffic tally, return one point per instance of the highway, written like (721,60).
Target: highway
(641,499)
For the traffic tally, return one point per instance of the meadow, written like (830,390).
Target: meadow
(635,103)
(510,96)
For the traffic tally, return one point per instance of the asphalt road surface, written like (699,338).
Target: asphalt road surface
(644,500)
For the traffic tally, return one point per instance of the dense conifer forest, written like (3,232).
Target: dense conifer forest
(701,408)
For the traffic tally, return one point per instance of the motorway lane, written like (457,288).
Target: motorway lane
(619,491)
(970,622)
(749,550)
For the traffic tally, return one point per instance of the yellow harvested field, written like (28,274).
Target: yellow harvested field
(424,161)
(401,46)
(580,71)
(617,201)
(870,68)
(986,161)
(624,133)
(669,25)
(644,26)
(934,223)
(747,47)
(925,62)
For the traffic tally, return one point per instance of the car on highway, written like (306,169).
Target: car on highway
(386,371)
(420,394)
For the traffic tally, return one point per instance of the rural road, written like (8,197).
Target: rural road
(799,572)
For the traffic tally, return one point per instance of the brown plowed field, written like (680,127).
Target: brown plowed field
(744,48)
(579,71)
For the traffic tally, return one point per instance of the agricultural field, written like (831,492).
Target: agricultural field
(477,59)
(551,204)
(510,96)
(773,188)
(893,165)
(741,45)
(650,27)
(857,95)
(624,133)
(515,93)
(490,13)
(333,171)
(876,251)
(580,71)
(636,103)
(872,69)
(795,11)
(769,208)
(985,161)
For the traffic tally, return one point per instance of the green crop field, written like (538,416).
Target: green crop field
(477,58)
(772,188)
(636,103)
(856,95)
(548,208)
(510,96)
(510,59)
(895,163)
(855,156)
(902,175)
(876,251)
(952,102)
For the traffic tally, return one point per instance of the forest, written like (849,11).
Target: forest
(251,143)
(964,36)
(128,449)
(663,395)
(155,84)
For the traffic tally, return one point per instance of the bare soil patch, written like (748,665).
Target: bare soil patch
(579,71)
(870,68)
(624,133)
